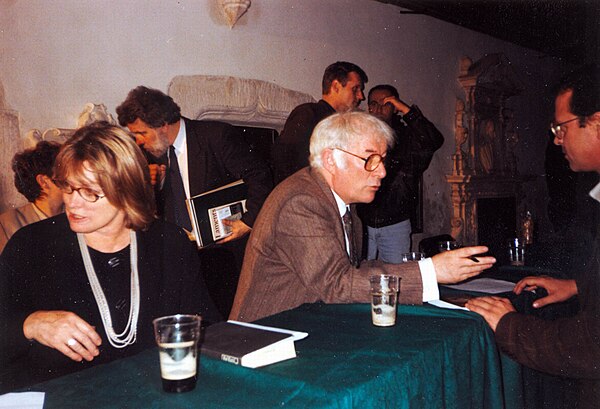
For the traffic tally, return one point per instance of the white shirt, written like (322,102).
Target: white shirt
(180,145)
(595,193)
(428,277)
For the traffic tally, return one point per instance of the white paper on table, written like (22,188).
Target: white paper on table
(485,285)
(22,400)
(444,304)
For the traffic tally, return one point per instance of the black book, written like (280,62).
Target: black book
(249,345)
(207,211)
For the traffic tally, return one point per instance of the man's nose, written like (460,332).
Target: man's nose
(139,139)
(380,171)
(557,141)
(361,96)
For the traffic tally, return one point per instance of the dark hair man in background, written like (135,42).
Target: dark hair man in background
(202,155)
(33,179)
(343,85)
(568,347)
(416,139)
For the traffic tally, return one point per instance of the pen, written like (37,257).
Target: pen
(473,258)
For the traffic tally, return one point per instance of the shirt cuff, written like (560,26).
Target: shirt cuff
(430,286)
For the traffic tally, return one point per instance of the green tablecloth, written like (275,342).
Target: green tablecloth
(431,358)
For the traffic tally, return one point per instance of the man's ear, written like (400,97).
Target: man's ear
(336,86)
(328,160)
(43,181)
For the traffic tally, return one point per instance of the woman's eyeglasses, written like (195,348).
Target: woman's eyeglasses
(86,193)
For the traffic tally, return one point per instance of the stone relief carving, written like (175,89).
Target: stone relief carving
(238,101)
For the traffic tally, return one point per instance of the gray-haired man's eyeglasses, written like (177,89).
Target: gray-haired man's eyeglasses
(372,162)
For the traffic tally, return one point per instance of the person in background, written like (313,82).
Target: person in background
(566,347)
(33,179)
(102,271)
(343,85)
(201,156)
(304,247)
(416,139)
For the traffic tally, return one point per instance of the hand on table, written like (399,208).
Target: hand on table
(492,309)
(558,290)
(239,229)
(65,332)
(455,265)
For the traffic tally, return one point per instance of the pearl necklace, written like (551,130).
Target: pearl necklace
(128,336)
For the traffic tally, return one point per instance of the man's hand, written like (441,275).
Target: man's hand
(455,266)
(157,173)
(239,230)
(65,332)
(558,290)
(492,309)
(396,103)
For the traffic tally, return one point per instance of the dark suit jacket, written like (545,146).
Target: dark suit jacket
(217,155)
(291,149)
(568,347)
(297,254)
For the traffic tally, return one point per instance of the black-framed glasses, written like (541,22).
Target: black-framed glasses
(86,193)
(372,162)
(557,129)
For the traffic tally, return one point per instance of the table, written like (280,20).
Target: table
(431,358)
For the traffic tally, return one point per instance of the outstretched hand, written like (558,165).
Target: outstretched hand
(456,265)
(65,332)
(558,290)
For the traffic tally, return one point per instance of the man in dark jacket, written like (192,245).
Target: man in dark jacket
(207,155)
(568,347)
(343,85)
(388,217)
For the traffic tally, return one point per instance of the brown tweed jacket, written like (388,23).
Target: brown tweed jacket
(296,254)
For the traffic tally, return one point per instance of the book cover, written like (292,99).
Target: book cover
(248,345)
(207,211)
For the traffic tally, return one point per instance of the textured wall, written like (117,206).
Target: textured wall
(59,55)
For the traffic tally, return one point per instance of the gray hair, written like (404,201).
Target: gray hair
(343,129)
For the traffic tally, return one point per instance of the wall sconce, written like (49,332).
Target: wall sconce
(233,10)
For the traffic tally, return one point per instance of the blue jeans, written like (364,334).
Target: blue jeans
(388,243)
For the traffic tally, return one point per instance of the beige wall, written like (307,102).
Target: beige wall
(57,55)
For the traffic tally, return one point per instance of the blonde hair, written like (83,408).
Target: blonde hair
(121,169)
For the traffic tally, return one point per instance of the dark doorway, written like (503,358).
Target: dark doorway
(496,222)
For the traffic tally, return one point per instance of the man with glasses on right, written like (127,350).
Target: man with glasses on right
(567,347)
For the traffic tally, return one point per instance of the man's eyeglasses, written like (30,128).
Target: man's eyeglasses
(86,193)
(558,131)
(371,163)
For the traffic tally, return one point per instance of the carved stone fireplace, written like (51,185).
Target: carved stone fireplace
(484,164)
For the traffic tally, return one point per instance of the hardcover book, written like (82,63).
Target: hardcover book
(249,345)
(209,209)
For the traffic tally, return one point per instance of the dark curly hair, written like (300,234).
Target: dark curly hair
(30,163)
(152,106)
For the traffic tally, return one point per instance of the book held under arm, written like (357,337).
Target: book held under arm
(249,345)
(209,209)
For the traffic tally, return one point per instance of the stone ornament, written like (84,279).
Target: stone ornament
(233,10)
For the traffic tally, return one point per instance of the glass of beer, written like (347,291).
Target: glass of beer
(177,338)
(384,297)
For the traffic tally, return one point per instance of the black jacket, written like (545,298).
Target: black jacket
(417,139)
